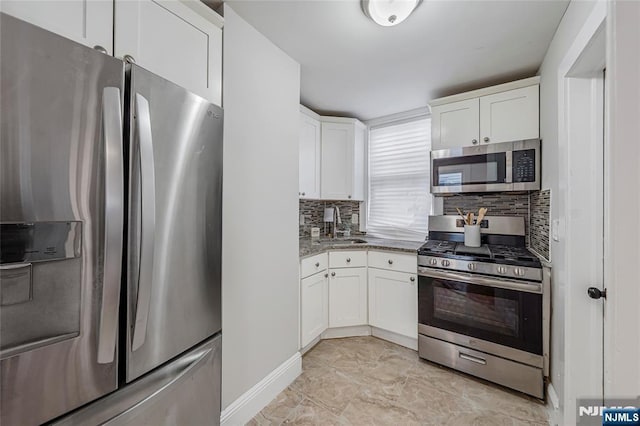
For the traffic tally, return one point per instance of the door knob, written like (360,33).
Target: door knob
(333,274)
(596,293)
(486,139)
(475,141)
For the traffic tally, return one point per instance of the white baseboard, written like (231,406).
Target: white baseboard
(396,338)
(310,345)
(243,409)
(553,406)
(337,333)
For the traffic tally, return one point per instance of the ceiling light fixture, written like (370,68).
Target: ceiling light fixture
(389,12)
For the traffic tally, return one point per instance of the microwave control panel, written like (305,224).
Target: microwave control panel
(524,166)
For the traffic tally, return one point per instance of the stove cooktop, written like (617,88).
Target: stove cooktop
(489,253)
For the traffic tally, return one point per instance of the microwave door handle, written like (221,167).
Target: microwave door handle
(113,223)
(148,207)
(509,166)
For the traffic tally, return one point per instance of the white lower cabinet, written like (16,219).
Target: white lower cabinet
(347,297)
(393,301)
(314,309)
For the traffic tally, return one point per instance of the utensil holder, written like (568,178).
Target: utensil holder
(472,235)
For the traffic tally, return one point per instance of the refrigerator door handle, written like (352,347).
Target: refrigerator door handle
(148,191)
(113,223)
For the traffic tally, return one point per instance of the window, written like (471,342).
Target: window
(399,199)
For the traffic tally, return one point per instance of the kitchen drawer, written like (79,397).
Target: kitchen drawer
(394,261)
(347,259)
(313,264)
(521,377)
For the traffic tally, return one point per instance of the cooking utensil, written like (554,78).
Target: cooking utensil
(464,218)
(481,213)
(469,218)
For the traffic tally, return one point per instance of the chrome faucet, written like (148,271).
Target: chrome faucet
(336,221)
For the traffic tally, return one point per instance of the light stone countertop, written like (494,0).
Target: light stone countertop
(310,247)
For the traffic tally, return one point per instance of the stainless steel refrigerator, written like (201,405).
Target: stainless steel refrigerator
(110,215)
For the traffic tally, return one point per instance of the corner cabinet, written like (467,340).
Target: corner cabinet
(85,22)
(503,113)
(171,39)
(347,297)
(309,157)
(342,162)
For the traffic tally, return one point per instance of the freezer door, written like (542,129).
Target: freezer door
(61,216)
(184,392)
(175,213)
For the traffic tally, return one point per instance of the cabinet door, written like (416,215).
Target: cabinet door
(309,157)
(337,161)
(510,116)
(89,22)
(171,40)
(347,297)
(455,124)
(314,313)
(393,301)
(357,193)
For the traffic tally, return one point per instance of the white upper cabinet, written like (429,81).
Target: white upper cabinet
(455,124)
(309,157)
(342,164)
(89,22)
(510,116)
(171,39)
(504,113)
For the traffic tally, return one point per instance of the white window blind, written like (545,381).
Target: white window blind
(399,200)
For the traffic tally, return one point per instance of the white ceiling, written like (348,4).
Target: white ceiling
(350,66)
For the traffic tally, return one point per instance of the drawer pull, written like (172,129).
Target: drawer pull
(472,358)
(326,275)
(412,279)
(348,259)
(333,274)
(390,262)
(317,264)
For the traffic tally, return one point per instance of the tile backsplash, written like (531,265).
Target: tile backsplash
(540,222)
(533,206)
(499,204)
(313,212)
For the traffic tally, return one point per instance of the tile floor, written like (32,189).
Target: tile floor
(368,381)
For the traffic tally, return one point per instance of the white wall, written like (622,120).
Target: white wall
(552,178)
(261,93)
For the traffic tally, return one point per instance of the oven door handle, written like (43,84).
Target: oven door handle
(529,287)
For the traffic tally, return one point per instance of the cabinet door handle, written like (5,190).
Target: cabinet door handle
(474,141)
(333,274)
(317,264)
(348,259)
(412,279)
(304,193)
(349,196)
(326,275)
(486,139)
(390,262)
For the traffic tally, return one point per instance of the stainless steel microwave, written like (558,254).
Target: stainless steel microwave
(507,166)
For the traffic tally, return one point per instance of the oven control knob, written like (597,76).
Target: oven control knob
(502,270)
(445,262)
(433,261)
(472,266)
(518,272)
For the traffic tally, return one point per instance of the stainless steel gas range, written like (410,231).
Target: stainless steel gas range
(484,310)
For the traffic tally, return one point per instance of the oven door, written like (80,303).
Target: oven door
(501,313)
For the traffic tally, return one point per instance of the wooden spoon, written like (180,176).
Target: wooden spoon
(481,214)
(464,218)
